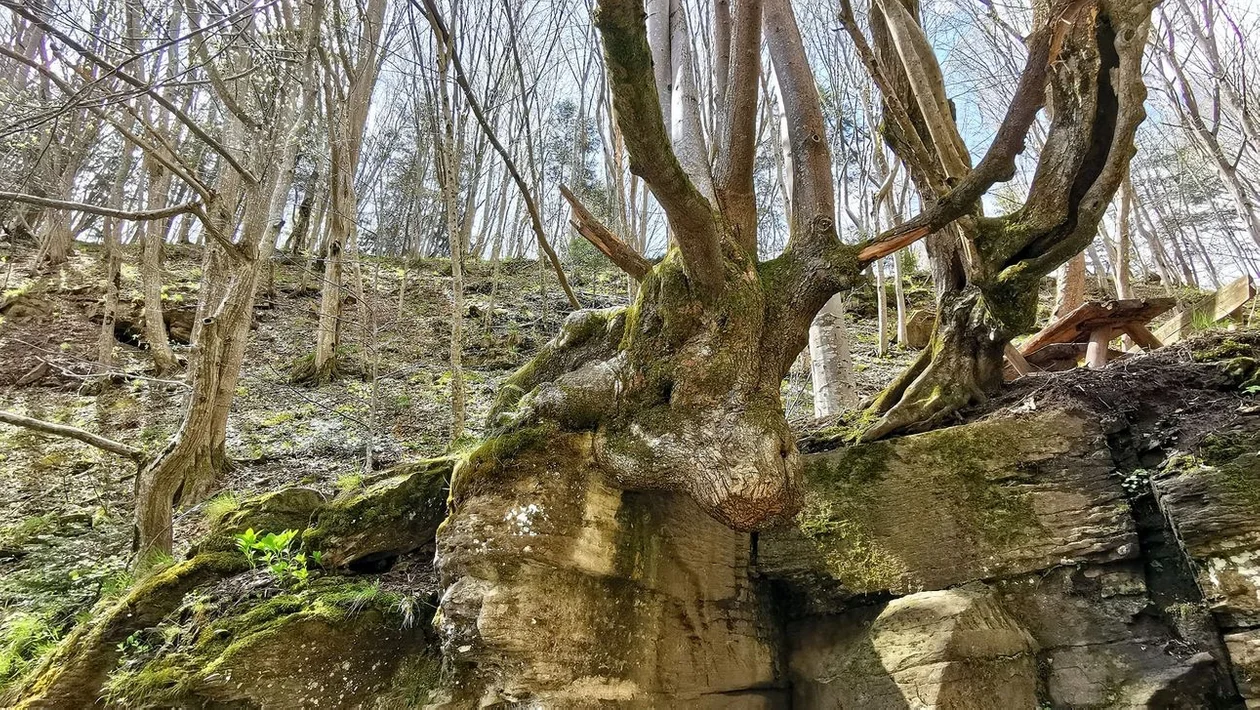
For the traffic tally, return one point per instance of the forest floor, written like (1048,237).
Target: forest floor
(65,526)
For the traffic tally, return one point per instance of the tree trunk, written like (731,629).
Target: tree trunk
(151,275)
(831,365)
(1070,286)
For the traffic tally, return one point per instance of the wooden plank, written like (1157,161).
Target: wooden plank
(1063,330)
(1096,353)
(1017,360)
(1217,306)
(1142,336)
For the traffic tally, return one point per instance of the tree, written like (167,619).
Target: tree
(1084,63)
(348,84)
(267,127)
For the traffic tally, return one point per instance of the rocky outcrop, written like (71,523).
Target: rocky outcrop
(1073,548)
(563,592)
(1014,548)
(1211,495)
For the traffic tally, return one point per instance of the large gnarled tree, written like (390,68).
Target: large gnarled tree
(1084,66)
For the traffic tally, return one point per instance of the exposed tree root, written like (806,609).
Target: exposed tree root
(962,365)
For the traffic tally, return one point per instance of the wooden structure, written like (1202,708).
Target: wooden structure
(1226,302)
(1086,331)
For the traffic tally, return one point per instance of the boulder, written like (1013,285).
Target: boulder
(919,327)
(952,648)
(999,497)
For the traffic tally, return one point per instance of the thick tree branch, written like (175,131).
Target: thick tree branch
(75,433)
(617,251)
(140,216)
(919,158)
(813,198)
(429,8)
(998,163)
(621,25)
(737,142)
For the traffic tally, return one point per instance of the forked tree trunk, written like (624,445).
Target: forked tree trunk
(189,468)
(987,281)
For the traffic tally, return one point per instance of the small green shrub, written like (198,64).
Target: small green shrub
(279,553)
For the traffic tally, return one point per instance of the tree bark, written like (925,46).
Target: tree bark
(831,364)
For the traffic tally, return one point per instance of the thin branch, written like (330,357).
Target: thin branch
(622,26)
(70,432)
(138,216)
(998,163)
(447,40)
(617,251)
(20,9)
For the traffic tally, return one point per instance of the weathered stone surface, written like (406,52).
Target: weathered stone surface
(1213,502)
(952,649)
(1244,654)
(285,509)
(1122,676)
(995,498)
(394,513)
(353,673)
(919,326)
(566,592)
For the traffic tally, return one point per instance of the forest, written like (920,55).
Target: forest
(753,354)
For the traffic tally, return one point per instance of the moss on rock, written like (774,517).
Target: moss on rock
(392,513)
(293,649)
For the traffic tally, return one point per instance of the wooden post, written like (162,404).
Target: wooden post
(1096,352)
(1016,358)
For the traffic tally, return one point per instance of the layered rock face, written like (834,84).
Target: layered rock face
(1058,554)
(1021,573)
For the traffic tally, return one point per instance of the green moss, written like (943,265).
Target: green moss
(214,632)
(997,514)
(850,551)
(415,682)
(285,509)
(837,516)
(1225,349)
(392,508)
(847,507)
(484,465)
(1233,459)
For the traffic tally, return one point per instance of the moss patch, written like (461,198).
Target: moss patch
(210,639)
(1233,459)
(390,513)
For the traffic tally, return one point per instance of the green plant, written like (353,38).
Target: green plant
(278,552)
(221,506)
(24,639)
(1136,482)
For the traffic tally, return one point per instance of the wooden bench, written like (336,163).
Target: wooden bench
(1087,331)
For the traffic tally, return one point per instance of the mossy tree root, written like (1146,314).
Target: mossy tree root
(961,366)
